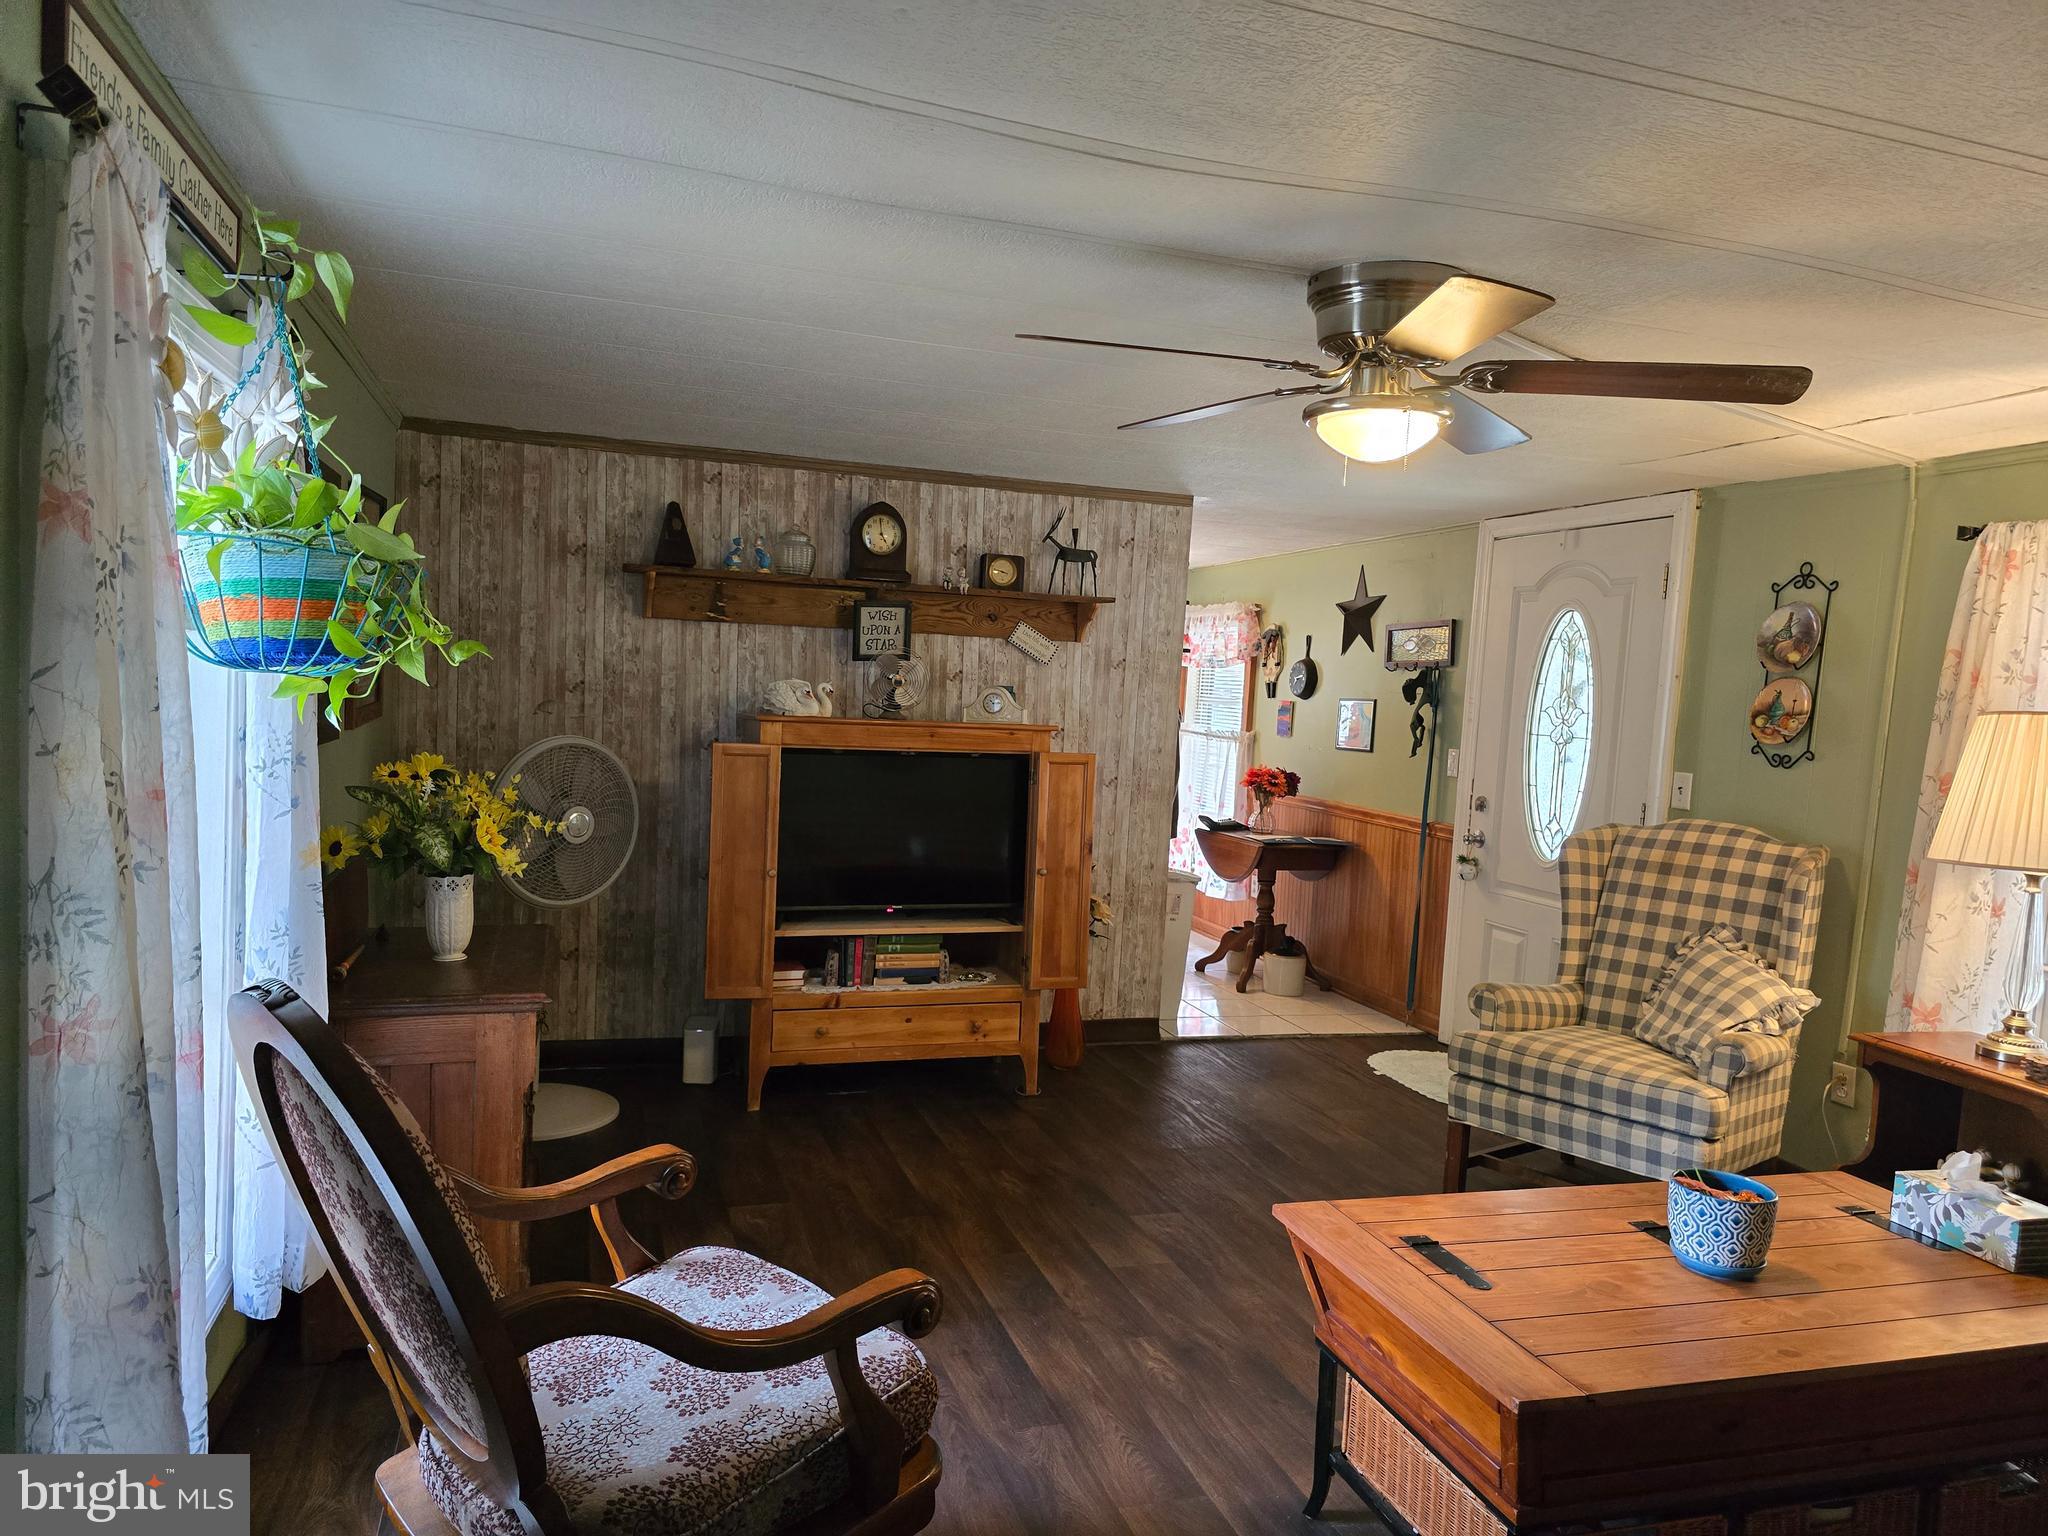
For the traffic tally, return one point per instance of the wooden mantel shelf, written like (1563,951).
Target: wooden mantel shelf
(823,602)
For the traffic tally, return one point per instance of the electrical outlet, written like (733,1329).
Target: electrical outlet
(1842,1085)
(1681,791)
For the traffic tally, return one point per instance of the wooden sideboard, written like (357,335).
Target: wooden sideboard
(1932,1094)
(1044,947)
(459,1043)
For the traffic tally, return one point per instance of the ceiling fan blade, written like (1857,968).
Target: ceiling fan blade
(1201,412)
(1474,429)
(1739,383)
(1463,312)
(1132,346)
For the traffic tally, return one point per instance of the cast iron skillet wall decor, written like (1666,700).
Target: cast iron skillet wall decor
(1304,676)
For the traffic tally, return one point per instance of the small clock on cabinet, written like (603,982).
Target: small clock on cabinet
(998,702)
(878,545)
(1002,573)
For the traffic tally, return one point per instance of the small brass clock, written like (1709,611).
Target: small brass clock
(878,544)
(1002,573)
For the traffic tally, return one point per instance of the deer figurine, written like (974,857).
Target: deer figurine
(1064,555)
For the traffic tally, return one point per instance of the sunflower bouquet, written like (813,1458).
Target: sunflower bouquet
(429,817)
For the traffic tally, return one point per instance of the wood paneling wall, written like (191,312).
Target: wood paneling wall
(526,537)
(1356,921)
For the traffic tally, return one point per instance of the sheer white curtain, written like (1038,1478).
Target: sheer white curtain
(113,1350)
(1218,650)
(259,838)
(1958,927)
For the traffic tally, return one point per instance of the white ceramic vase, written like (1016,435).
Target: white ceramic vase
(1285,974)
(451,915)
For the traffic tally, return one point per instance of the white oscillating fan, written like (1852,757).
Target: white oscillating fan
(588,795)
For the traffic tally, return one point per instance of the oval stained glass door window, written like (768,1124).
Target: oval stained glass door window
(1559,747)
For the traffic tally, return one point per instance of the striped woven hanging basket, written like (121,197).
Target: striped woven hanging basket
(268,608)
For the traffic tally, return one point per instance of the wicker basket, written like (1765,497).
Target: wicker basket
(1425,1492)
(1894,1512)
(2010,1499)
(267,607)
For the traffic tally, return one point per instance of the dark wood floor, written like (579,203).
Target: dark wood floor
(1125,1346)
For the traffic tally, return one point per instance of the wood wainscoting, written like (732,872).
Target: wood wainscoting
(1356,922)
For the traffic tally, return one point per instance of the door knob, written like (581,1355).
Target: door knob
(1475,839)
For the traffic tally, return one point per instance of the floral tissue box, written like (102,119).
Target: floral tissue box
(2009,1230)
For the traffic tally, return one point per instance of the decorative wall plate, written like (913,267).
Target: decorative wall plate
(1782,710)
(1789,638)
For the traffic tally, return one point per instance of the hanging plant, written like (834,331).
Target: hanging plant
(284,570)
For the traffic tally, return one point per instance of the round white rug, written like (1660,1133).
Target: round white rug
(1427,1072)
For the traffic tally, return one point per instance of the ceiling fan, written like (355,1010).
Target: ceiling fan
(1387,324)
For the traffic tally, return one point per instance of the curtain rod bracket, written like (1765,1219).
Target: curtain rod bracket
(1965,534)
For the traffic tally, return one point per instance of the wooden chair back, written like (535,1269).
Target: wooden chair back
(402,1245)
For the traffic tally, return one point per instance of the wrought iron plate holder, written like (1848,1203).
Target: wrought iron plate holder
(1801,580)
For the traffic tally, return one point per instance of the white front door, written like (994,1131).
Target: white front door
(1568,718)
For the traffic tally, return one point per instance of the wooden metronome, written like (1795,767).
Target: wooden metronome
(674,547)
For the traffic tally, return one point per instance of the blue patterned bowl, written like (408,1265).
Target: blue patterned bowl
(1712,1235)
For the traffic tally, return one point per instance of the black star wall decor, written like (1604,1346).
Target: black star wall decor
(1358,614)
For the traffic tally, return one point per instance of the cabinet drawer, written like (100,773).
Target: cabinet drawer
(855,1029)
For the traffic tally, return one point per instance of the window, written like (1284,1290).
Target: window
(210,370)
(1214,744)
(1559,745)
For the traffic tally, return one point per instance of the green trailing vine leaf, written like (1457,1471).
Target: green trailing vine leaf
(339,277)
(379,543)
(226,328)
(204,273)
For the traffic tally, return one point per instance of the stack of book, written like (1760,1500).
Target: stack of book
(909,959)
(788,978)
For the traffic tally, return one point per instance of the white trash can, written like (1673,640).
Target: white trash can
(1180,928)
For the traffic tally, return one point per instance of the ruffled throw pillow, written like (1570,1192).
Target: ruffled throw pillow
(1716,986)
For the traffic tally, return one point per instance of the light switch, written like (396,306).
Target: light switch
(1451,763)
(1681,791)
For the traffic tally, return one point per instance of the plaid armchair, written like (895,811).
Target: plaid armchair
(1557,1066)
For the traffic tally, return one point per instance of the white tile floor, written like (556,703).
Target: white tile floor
(1211,1008)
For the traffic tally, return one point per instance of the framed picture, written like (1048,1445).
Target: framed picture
(880,629)
(1354,724)
(1428,643)
(1283,720)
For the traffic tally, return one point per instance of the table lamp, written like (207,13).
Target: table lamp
(1996,817)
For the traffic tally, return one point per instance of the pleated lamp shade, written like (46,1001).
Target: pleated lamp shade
(1996,814)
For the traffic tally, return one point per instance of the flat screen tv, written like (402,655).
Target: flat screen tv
(913,833)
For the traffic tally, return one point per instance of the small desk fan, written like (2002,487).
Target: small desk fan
(587,793)
(897,687)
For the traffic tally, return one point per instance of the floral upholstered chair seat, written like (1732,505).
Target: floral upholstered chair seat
(639,1444)
(711,1393)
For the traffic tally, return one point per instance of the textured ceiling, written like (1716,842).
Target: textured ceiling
(812,226)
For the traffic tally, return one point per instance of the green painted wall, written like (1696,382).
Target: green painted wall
(1425,576)
(1886,534)
(19,70)
(1853,528)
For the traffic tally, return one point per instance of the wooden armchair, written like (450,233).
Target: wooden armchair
(709,1391)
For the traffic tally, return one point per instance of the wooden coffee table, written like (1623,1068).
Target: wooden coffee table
(1595,1378)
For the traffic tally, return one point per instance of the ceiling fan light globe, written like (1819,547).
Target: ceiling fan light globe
(1375,429)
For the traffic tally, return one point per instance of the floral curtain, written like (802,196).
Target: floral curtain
(1958,927)
(1218,633)
(114,1333)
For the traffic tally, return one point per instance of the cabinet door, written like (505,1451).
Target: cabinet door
(739,901)
(1063,835)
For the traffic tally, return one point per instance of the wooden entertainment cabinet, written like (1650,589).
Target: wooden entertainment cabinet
(1041,947)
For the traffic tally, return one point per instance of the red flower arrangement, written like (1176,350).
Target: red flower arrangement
(1270,784)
